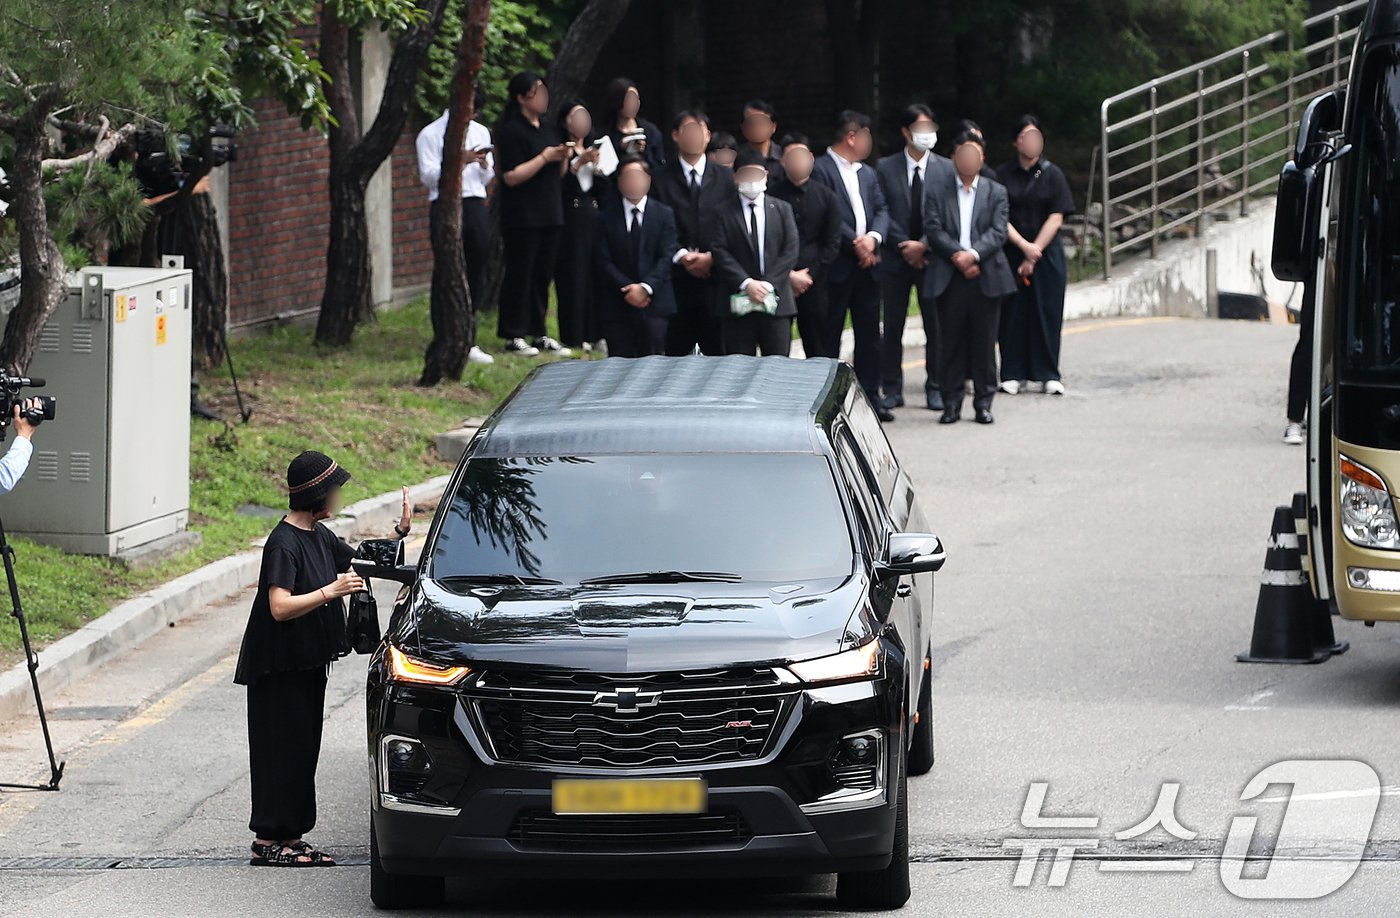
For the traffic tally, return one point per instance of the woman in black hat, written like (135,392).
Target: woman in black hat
(296,629)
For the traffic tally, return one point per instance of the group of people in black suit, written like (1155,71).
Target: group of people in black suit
(722,247)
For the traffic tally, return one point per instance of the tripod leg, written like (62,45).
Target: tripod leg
(243,412)
(32,662)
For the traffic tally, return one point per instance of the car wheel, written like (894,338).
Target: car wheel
(882,890)
(921,750)
(390,891)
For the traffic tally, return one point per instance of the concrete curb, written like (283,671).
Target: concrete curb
(69,659)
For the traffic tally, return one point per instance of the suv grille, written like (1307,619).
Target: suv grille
(652,720)
(541,829)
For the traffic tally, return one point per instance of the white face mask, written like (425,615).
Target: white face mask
(925,140)
(752,190)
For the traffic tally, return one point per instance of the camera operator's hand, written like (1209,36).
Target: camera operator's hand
(345,584)
(22,425)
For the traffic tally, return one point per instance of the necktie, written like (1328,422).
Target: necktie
(634,239)
(753,234)
(916,205)
(694,183)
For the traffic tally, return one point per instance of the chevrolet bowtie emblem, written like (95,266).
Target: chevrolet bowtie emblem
(627,700)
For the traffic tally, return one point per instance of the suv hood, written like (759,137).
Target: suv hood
(636,627)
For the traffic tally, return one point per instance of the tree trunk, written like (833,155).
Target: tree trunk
(354,157)
(579,49)
(454,325)
(199,228)
(42,269)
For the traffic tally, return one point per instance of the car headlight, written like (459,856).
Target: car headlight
(1367,515)
(403,668)
(864,662)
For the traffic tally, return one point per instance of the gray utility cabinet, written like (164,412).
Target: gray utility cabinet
(112,472)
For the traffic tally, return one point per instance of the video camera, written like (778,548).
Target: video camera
(10,396)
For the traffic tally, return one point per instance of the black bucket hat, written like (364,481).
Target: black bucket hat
(310,478)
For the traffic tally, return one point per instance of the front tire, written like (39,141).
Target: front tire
(921,750)
(394,891)
(888,889)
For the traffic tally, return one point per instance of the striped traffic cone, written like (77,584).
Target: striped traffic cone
(1283,620)
(1323,636)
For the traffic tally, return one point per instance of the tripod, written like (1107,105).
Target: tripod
(32,661)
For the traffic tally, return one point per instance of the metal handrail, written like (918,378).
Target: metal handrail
(1253,105)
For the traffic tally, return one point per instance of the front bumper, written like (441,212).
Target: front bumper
(765,817)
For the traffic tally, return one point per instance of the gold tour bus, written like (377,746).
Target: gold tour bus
(1337,232)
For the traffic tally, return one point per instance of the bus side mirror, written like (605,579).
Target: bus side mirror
(1296,229)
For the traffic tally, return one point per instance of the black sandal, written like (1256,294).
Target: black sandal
(318,858)
(278,855)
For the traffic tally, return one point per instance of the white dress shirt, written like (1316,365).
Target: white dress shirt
(686,169)
(475,176)
(967,199)
(848,172)
(638,211)
(15,461)
(762,219)
(912,165)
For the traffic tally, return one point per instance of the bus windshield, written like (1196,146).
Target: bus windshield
(1369,238)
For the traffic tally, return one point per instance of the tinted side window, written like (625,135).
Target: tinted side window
(870,438)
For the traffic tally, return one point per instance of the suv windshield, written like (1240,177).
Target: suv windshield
(767,517)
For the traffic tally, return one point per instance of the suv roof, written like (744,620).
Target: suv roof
(668,405)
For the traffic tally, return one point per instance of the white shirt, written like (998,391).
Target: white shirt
(641,217)
(912,165)
(848,170)
(967,198)
(686,170)
(475,176)
(762,220)
(14,462)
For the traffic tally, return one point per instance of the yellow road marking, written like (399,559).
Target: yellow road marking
(1087,327)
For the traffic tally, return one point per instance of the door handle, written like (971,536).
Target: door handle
(903,589)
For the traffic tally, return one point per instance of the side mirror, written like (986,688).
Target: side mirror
(1296,224)
(383,559)
(913,553)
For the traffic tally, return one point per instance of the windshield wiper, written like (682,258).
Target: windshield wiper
(499,578)
(666,577)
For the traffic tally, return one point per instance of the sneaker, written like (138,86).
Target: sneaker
(549,345)
(477,355)
(521,347)
(1293,434)
(1054,387)
(1010,386)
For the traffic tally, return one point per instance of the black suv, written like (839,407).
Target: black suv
(673,616)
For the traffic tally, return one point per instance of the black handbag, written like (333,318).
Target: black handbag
(362,623)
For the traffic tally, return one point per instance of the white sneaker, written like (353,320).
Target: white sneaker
(522,347)
(477,355)
(1054,387)
(548,344)
(1293,434)
(1010,386)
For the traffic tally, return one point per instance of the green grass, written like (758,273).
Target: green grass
(359,405)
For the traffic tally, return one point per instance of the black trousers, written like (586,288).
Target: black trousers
(285,713)
(894,296)
(1031,320)
(530,257)
(768,335)
(1299,377)
(574,289)
(694,324)
(637,335)
(968,322)
(811,318)
(858,294)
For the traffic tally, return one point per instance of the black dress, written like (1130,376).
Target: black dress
(284,664)
(573,277)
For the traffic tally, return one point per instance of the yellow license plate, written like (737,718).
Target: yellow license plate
(598,797)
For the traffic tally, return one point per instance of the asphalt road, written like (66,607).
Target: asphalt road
(1104,554)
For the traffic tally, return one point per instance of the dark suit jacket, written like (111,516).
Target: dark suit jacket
(943,228)
(893,173)
(611,259)
(735,258)
(818,222)
(670,188)
(877,215)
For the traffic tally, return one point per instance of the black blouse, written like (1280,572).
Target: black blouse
(300,562)
(1035,194)
(536,203)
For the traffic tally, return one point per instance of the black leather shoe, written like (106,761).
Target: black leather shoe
(894,400)
(935,401)
(984,416)
(883,413)
(950,417)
